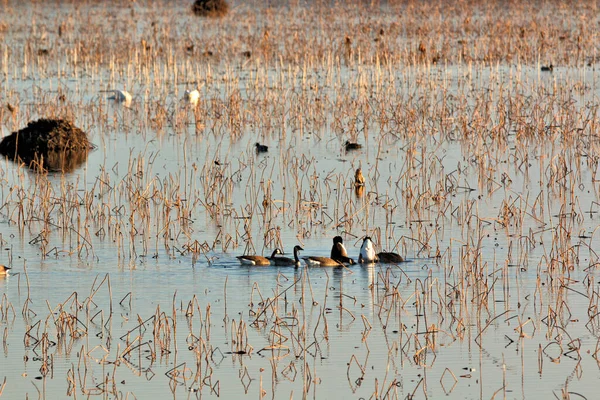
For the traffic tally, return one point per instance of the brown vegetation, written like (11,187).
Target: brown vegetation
(210,8)
(51,144)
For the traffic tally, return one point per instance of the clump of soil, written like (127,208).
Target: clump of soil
(210,8)
(50,144)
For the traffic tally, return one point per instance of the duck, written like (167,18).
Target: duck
(258,260)
(339,253)
(367,252)
(282,261)
(191,96)
(261,148)
(4,270)
(359,179)
(352,146)
(547,68)
(389,258)
(315,261)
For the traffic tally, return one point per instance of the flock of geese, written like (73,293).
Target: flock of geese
(339,256)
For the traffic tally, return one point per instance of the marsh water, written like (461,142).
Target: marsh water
(124,279)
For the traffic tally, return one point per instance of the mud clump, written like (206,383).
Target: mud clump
(49,144)
(210,8)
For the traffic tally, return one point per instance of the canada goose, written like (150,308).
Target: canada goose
(191,96)
(258,260)
(4,270)
(261,148)
(314,261)
(359,179)
(367,252)
(352,146)
(389,258)
(339,253)
(548,68)
(286,260)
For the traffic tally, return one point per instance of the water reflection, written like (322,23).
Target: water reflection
(57,161)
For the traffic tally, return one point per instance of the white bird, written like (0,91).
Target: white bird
(367,252)
(192,96)
(121,96)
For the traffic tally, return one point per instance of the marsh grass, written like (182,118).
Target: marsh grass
(478,167)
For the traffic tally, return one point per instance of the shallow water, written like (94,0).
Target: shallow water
(128,264)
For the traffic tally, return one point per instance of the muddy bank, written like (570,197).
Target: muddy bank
(49,144)
(210,8)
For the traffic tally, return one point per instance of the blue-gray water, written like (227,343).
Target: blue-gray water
(133,253)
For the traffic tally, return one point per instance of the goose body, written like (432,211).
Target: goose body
(389,258)
(367,252)
(283,261)
(258,260)
(315,261)
(339,253)
(4,270)
(191,96)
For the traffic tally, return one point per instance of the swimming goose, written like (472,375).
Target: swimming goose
(286,260)
(4,270)
(191,96)
(258,260)
(314,261)
(339,253)
(389,258)
(367,252)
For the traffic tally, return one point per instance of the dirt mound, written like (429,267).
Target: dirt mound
(210,8)
(51,144)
